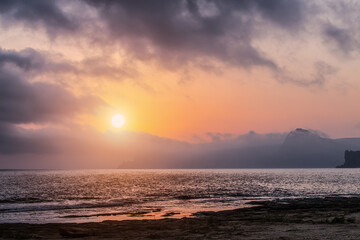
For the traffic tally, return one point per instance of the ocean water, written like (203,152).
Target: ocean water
(97,195)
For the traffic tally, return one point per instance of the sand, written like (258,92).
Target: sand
(313,218)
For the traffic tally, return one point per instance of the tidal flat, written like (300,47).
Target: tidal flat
(301,218)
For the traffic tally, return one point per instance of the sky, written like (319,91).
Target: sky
(190,72)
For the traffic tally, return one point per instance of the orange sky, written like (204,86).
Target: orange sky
(178,101)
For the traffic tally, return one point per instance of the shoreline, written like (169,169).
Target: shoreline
(310,218)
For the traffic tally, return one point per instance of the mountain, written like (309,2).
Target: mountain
(300,148)
(309,149)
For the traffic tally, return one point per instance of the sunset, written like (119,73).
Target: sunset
(220,104)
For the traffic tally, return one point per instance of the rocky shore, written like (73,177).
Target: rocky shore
(309,218)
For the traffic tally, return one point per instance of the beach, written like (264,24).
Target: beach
(304,218)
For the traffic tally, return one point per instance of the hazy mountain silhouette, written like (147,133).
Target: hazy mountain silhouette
(307,148)
(301,148)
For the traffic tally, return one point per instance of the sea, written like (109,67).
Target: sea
(45,196)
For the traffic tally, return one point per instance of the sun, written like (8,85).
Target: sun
(118,120)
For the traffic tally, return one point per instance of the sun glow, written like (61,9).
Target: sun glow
(118,120)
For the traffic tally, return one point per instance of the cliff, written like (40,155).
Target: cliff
(352,160)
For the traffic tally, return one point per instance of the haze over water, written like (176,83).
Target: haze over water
(97,195)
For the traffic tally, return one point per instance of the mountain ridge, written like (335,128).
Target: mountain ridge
(300,148)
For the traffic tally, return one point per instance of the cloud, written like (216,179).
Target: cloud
(341,25)
(343,38)
(321,75)
(44,66)
(286,13)
(25,59)
(22,102)
(221,141)
(39,102)
(26,102)
(37,12)
(184,33)
(15,140)
(178,32)
(216,136)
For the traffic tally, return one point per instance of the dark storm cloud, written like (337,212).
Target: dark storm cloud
(176,33)
(287,13)
(26,59)
(33,12)
(25,102)
(180,33)
(182,30)
(14,58)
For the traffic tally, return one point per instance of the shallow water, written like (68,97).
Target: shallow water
(97,195)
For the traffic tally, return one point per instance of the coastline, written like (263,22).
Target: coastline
(305,218)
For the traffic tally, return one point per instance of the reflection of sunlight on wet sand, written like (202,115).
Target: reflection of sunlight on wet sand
(161,210)
(175,209)
(142,216)
(177,213)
